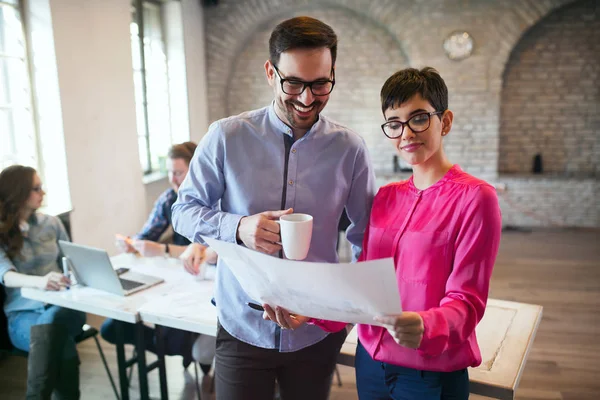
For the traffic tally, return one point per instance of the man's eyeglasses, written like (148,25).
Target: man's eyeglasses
(417,123)
(321,87)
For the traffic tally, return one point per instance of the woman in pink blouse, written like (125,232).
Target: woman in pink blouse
(442,227)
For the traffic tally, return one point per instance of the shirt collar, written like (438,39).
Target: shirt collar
(280,126)
(452,172)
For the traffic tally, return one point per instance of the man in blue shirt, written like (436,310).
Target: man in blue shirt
(258,166)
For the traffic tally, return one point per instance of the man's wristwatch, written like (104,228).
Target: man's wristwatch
(167,250)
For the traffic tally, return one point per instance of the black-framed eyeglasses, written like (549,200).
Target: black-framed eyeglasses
(417,123)
(321,87)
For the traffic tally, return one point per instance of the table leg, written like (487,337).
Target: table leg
(141,359)
(120,345)
(162,371)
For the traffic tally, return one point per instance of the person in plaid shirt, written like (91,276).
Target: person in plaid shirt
(187,344)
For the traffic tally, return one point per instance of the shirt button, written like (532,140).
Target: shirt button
(291,182)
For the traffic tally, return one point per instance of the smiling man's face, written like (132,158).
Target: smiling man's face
(301,111)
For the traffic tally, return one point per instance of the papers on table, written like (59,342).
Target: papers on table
(337,292)
(187,303)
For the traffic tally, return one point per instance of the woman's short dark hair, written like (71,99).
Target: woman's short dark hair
(404,84)
(16,183)
(184,150)
(302,33)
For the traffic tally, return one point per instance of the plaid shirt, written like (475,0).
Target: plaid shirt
(159,220)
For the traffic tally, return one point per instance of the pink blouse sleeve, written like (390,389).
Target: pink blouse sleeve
(475,251)
(328,326)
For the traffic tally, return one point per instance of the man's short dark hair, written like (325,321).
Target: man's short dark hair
(404,84)
(301,33)
(184,150)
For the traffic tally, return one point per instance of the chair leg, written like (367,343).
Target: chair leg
(197,384)
(130,373)
(338,376)
(112,382)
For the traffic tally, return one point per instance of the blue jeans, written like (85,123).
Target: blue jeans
(20,323)
(376,380)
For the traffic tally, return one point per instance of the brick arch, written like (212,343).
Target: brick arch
(241,19)
(418,29)
(512,27)
(241,26)
(550,95)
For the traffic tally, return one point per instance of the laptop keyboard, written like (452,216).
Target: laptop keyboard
(128,285)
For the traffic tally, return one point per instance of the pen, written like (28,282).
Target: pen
(255,306)
(258,307)
(65,265)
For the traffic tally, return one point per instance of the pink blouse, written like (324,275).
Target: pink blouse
(444,241)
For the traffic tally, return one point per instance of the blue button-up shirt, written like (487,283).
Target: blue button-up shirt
(241,163)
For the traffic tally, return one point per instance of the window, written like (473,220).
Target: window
(151,81)
(29,93)
(18,140)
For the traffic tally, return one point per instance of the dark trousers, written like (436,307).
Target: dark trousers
(246,372)
(381,381)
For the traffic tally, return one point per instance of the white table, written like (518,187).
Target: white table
(106,304)
(189,309)
(505,334)
(120,308)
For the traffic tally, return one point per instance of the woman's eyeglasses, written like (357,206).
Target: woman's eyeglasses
(417,123)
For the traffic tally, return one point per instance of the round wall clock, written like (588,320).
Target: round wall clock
(458,45)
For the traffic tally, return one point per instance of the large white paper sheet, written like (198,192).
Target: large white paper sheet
(353,293)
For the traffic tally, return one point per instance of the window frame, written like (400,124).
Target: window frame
(138,7)
(31,105)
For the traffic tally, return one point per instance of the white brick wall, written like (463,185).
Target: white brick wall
(550,202)
(376,39)
(551,95)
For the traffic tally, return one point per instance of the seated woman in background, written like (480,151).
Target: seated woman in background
(147,244)
(29,257)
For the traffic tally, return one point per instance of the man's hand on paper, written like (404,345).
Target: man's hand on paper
(406,329)
(260,231)
(124,244)
(283,318)
(193,255)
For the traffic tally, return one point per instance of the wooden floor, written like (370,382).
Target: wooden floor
(557,269)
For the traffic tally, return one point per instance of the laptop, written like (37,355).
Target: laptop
(92,267)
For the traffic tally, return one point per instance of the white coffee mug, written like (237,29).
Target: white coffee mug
(296,233)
